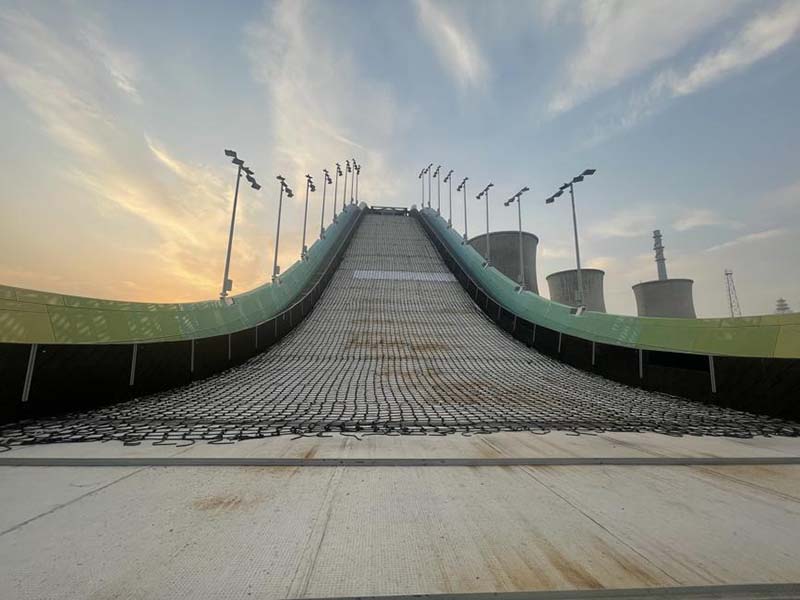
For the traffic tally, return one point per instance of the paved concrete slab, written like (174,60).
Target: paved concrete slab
(316,532)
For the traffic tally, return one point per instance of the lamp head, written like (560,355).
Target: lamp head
(281,178)
(588,172)
(230,153)
(577,179)
(238,161)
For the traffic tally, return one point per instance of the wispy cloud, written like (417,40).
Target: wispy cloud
(625,224)
(321,108)
(623,39)
(454,43)
(701,217)
(762,36)
(750,238)
(71,81)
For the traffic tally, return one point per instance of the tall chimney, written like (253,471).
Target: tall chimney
(661,262)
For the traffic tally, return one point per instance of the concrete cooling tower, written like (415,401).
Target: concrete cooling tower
(504,246)
(564,288)
(664,297)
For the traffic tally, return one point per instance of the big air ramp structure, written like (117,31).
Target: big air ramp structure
(412,339)
(396,344)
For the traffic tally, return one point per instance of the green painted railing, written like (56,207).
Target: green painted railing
(767,336)
(29,316)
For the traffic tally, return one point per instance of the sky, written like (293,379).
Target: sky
(115,115)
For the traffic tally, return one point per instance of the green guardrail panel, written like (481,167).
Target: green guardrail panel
(31,316)
(760,336)
(788,342)
(22,325)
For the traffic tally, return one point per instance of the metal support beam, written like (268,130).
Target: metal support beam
(26,389)
(713,374)
(134,354)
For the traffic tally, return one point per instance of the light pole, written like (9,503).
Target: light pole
(518,198)
(428,171)
(358,172)
(353,182)
(227,284)
(344,191)
(309,188)
(550,200)
(325,181)
(485,193)
(421,177)
(289,194)
(336,190)
(438,190)
(463,186)
(449,181)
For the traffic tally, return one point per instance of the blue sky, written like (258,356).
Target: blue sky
(115,116)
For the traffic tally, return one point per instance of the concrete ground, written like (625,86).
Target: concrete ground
(232,531)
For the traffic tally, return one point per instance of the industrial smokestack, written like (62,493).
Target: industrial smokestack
(664,297)
(661,262)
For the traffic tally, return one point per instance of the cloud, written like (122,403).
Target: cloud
(455,45)
(760,37)
(750,238)
(625,224)
(322,109)
(72,80)
(701,217)
(623,39)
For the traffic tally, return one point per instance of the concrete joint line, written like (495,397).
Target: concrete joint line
(10,461)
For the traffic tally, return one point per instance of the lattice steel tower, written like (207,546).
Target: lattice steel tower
(782,307)
(733,299)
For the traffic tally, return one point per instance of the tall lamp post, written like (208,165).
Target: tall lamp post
(550,200)
(485,193)
(428,171)
(463,186)
(336,190)
(344,191)
(227,283)
(326,179)
(449,181)
(358,172)
(353,182)
(518,199)
(421,178)
(438,190)
(289,194)
(309,188)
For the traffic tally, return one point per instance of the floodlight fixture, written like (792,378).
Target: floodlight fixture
(309,188)
(227,283)
(518,198)
(550,200)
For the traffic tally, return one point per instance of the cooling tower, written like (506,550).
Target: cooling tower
(564,288)
(665,298)
(504,247)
